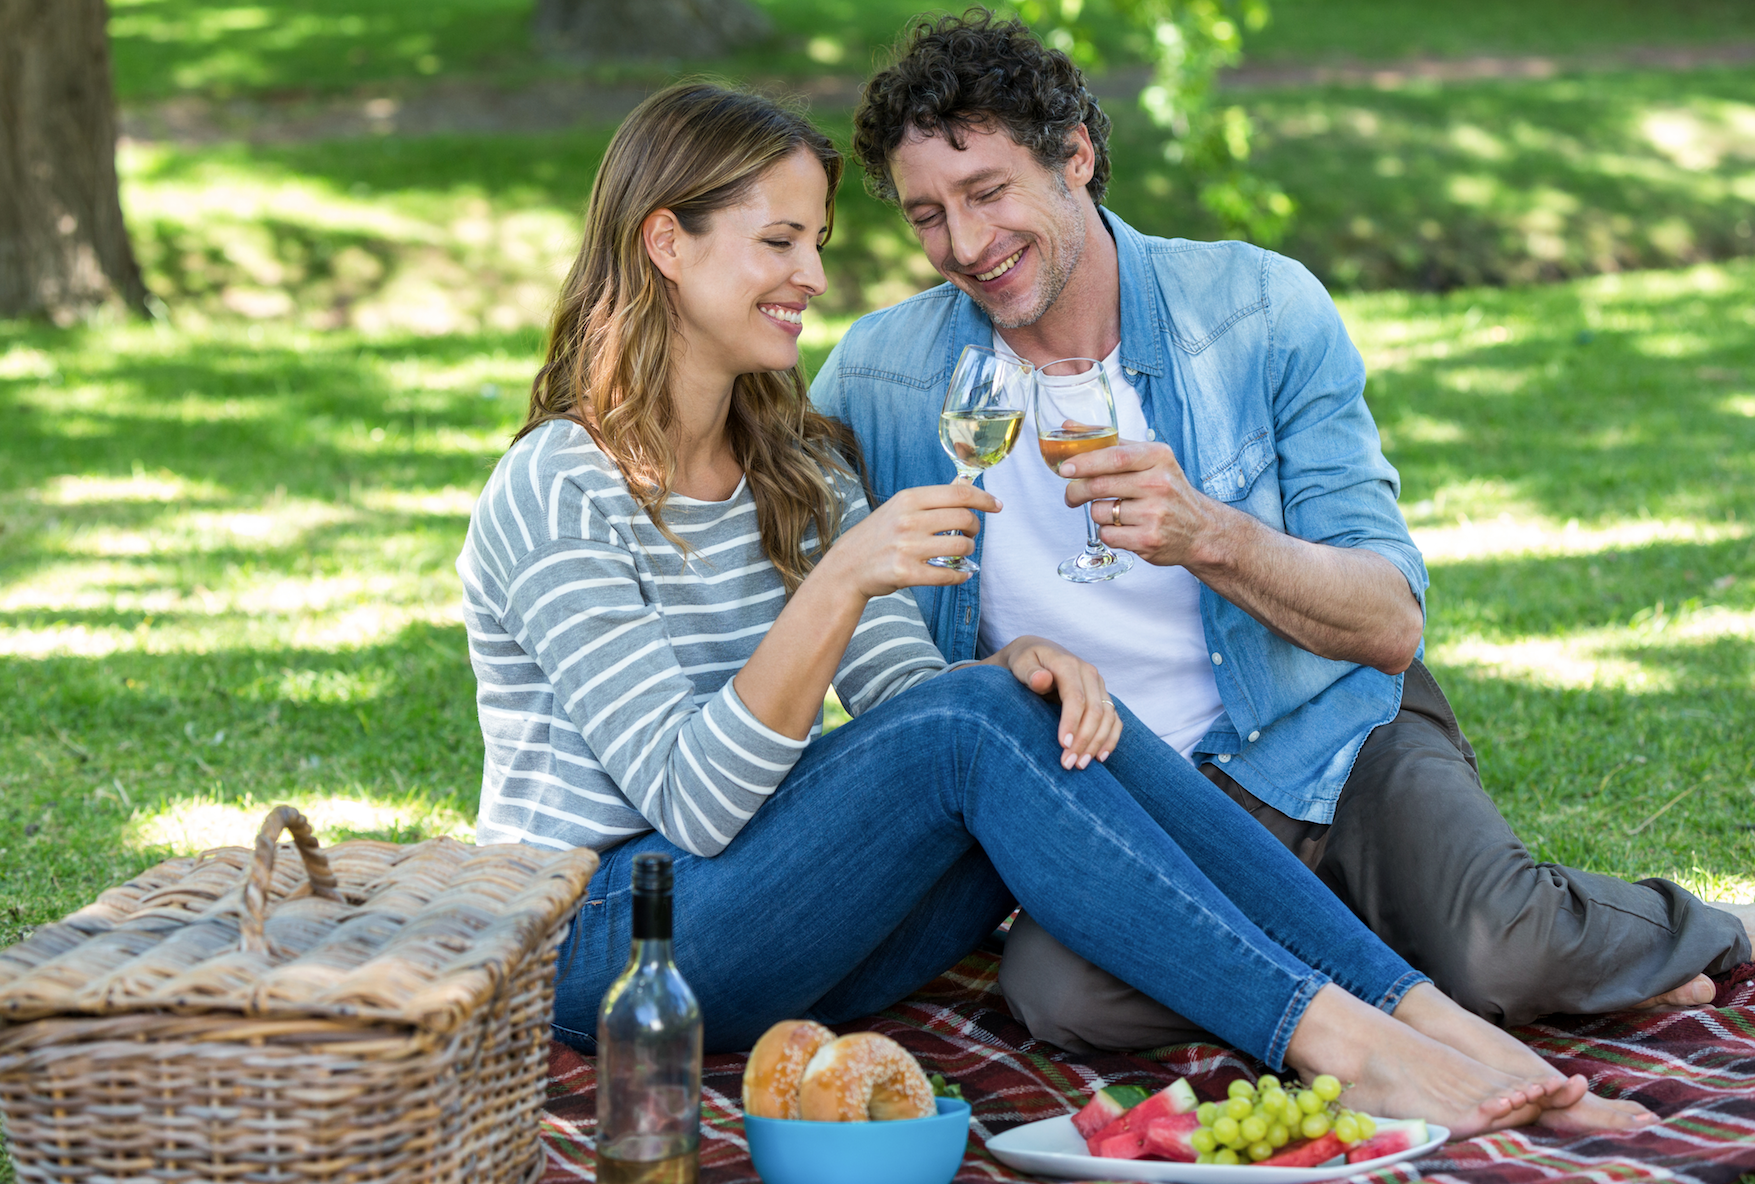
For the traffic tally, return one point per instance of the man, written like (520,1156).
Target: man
(1273,633)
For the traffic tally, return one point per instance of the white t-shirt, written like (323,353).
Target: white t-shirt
(1141,630)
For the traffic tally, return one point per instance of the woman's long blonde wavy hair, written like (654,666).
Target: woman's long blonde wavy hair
(692,149)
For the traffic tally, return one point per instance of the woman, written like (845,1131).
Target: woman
(654,620)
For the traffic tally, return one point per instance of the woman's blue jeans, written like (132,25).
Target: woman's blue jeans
(902,838)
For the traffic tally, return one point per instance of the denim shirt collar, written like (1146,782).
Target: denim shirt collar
(1142,340)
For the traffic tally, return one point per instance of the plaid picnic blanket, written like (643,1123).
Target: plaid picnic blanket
(1696,1068)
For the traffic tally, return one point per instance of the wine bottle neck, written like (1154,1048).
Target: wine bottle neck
(651,952)
(652,918)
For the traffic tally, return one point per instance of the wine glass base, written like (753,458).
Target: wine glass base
(1093,568)
(955,563)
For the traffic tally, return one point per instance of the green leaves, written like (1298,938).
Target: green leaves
(1186,42)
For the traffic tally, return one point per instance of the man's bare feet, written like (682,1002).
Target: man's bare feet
(1696,992)
(1568,1104)
(1397,1072)
(1567,1107)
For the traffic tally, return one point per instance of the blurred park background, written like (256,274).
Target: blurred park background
(227,528)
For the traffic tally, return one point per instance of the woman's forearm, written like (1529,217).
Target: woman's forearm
(785,680)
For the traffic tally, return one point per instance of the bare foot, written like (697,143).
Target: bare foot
(1566,1102)
(1592,1113)
(1696,992)
(1397,1072)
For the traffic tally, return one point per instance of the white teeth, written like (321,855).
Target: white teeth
(1000,270)
(783,314)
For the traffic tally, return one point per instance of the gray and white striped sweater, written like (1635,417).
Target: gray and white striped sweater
(603,661)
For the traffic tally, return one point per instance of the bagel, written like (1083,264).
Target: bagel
(776,1067)
(864,1077)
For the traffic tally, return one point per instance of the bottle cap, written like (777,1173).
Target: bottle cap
(653,873)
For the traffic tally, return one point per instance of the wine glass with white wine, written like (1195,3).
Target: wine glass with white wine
(1075,412)
(983,412)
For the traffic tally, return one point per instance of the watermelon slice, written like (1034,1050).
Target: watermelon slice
(1307,1154)
(1391,1137)
(1105,1106)
(1120,1145)
(1168,1138)
(1125,1137)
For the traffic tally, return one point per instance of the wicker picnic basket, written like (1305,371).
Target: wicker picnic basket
(381,1014)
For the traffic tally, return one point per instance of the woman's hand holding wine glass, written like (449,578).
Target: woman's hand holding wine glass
(893,546)
(983,413)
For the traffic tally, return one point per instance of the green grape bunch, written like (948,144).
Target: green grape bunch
(1255,1121)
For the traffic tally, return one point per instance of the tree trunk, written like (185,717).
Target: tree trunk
(605,29)
(64,249)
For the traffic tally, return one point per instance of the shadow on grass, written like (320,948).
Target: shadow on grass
(1620,397)
(1647,586)
(309,416)
(1631,784)
(89,745)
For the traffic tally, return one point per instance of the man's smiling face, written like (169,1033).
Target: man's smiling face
(993,220)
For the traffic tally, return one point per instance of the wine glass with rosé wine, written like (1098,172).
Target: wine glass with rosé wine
(1075,412)
(983,412)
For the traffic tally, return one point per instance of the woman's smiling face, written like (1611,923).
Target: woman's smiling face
(740,288)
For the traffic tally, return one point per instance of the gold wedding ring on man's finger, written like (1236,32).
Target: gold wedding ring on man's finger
(1115,512)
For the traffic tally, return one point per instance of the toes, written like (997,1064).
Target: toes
(1514,1116)
(1696,992)
(1569,1091)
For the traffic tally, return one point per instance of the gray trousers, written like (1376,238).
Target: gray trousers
(1420,853)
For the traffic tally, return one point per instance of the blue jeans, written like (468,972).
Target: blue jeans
(901,839)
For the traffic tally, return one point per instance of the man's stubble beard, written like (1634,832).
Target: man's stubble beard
(1056,272)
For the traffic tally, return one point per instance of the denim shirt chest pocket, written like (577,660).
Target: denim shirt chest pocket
(1232,477)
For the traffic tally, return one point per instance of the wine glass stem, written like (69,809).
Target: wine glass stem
(1093,540)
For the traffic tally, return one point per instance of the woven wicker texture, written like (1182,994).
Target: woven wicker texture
(372,1013)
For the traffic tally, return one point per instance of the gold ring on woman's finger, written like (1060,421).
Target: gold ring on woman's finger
(1109,705)
(1115,513)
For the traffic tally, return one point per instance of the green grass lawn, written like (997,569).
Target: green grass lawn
(1423,188)
(224,48)
(227,574)
(1383,30)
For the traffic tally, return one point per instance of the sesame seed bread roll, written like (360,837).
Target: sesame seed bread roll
(776,1067)
(864,1077)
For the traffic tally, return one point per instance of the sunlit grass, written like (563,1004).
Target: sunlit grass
(189,826)
(1504,182)
(1579,476)
(1381,30)
(1513,181)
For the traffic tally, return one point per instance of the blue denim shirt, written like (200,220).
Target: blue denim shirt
(1246,371)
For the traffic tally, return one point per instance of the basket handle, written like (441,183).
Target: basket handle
(251,938)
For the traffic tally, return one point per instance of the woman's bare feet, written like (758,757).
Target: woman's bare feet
(1567,1104)
(1398,1072)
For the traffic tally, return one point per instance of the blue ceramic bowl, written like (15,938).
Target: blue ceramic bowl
(908,1151)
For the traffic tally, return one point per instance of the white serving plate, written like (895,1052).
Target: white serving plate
(1052,1147)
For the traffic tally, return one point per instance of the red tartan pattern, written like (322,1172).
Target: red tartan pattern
(1696,1068)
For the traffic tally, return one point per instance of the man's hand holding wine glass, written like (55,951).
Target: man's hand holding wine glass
(1349,604)
(1144,503)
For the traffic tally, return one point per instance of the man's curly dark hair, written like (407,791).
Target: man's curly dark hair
(962,72)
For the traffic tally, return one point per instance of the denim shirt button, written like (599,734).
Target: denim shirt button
(1254,736)
(1150,434)
(1218,659)
(1224,758)
(1130,371)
